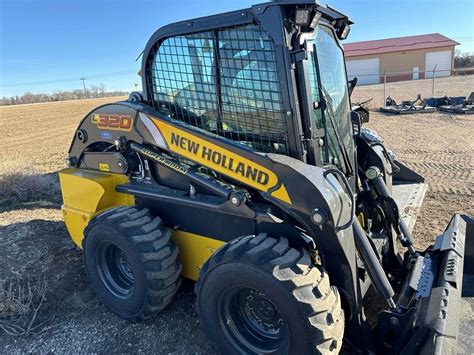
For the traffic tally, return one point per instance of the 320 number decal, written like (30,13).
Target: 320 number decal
(113,122)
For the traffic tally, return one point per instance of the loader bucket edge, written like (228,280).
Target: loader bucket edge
(429,322)
(440,312)
(469,246)
(406,175)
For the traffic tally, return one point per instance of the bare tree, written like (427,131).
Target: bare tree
(102,89)
(95,91)
(463,60)
(28,97)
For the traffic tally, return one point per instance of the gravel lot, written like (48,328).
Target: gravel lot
(33,239)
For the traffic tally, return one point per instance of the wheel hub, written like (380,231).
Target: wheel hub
(114,270)
(124,267)
(252,321)
(260,309)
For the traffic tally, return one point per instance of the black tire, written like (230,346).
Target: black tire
(131,262)
(258,295)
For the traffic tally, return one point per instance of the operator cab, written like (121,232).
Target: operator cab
(271,78)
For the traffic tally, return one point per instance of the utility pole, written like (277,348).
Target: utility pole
(84,85)
(433,86)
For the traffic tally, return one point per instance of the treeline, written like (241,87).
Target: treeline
(30,98)
(463,60)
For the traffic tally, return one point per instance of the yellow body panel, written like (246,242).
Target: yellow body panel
(87,193)
(282,194)
(216,157)
(361,219)
(194,250)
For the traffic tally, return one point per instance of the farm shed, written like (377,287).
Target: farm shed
(401,58)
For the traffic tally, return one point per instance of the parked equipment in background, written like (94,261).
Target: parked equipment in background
(445,101)
(458,105)
(407,107)
(242,166)
(390,102)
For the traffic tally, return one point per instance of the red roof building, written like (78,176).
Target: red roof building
(402,58)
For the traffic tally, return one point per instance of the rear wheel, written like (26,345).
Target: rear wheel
(257,295)
(131,262)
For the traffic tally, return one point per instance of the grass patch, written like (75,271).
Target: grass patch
(26,308)
(25,187)
(20,302)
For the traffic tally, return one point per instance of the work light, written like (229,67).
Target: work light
(317,16)
(302,16)
(343,31)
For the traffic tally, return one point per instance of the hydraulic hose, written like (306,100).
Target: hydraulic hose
(390,208)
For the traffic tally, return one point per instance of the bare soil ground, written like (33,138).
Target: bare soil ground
(438,146)
(34,140)
(446,160)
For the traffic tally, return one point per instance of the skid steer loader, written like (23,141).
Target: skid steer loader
(242,167)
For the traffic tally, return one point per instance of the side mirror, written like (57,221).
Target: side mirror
(352,84)
(363,111)
(356,123)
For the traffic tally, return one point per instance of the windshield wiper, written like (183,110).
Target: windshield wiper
(331,116)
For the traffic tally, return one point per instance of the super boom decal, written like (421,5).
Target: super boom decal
(216,157)
(172,165)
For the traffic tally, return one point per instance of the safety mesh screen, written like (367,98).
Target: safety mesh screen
(224,82)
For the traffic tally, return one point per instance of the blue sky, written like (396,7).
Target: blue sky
(42,41)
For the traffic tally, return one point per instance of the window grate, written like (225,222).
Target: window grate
(225,82)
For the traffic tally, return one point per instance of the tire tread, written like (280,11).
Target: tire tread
(152,240)
(308,283)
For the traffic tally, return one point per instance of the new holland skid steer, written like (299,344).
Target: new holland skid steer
(242,167)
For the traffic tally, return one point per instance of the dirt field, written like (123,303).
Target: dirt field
(439,146)
(33,241)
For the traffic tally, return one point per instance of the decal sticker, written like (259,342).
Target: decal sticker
(155,135)
(104,167)
(113,122)
(166,162)
(216,157)
(105,135)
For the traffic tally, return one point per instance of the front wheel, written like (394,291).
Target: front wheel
(256,295)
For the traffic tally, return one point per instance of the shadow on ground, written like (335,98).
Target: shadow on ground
(43,248)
